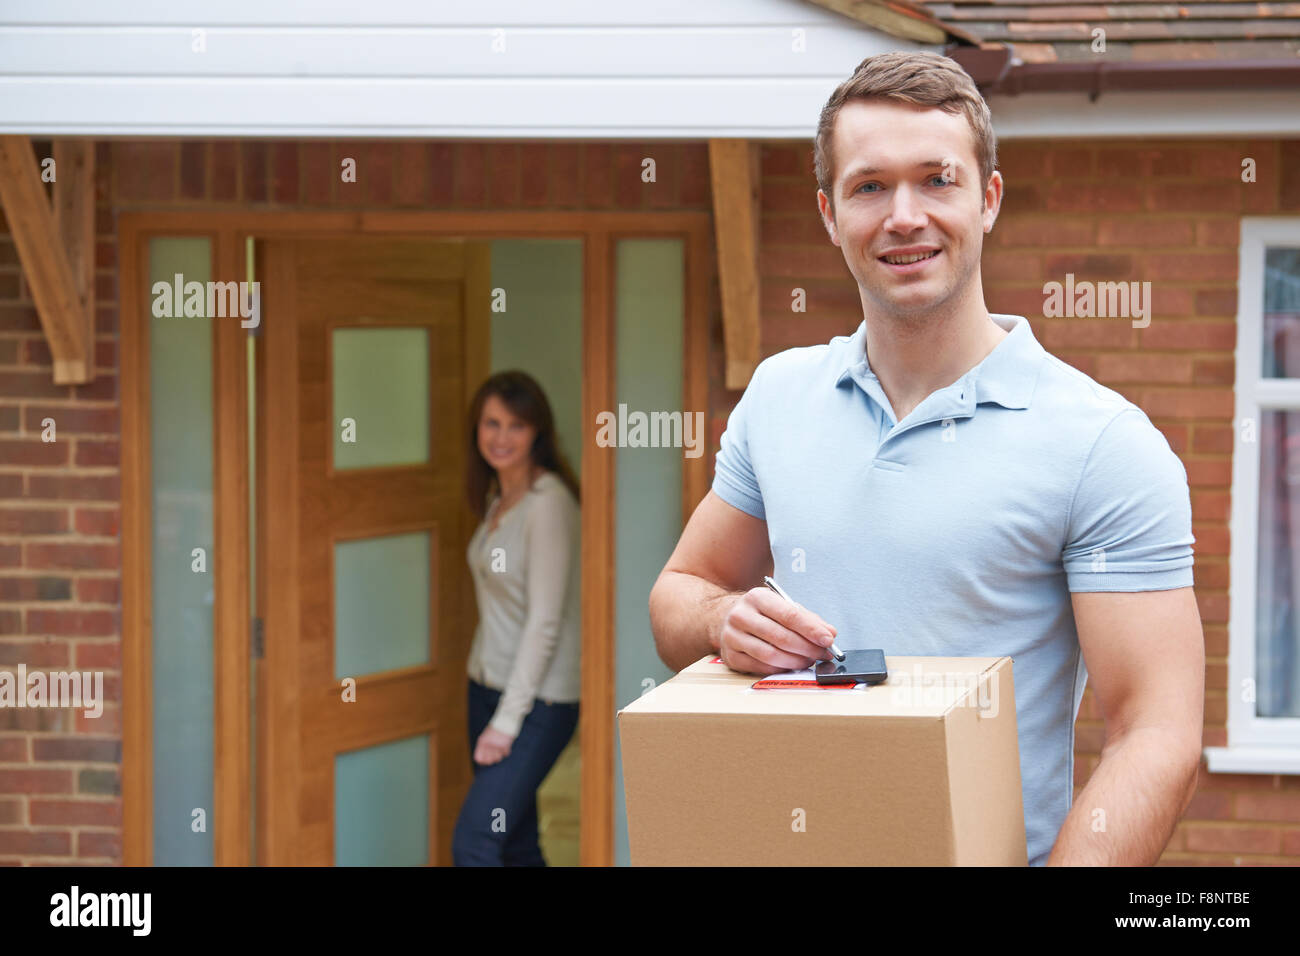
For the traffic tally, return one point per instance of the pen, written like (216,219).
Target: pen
(839,654)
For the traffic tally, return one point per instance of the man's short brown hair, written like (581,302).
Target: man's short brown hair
(925,79)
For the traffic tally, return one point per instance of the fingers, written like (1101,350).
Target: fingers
(765,634)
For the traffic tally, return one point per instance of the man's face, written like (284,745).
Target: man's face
(907,183)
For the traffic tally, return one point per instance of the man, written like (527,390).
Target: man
(938,484)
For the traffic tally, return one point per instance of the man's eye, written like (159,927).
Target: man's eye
(865,185)
(943,180)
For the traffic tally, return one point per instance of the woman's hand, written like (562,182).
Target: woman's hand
(493,746)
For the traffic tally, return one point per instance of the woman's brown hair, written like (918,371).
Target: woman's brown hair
(525,398)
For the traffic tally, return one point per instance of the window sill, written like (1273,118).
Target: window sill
(1256,759)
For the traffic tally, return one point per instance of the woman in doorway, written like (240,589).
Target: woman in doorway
(523,663)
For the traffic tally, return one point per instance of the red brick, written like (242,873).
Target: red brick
(225,170)
(1208,472)
(1211,505)
(10,555)
(598,176)
(535,177)
(71,623)
(1196,336)
(1216,302)
(89,557)
(629,190)
(1145,232)
(471,175)
(1184,403)
(72,419)
(11,486)
(253,159)
(442,174)
(36,842)
(33,521)
(566,175)
(193,173)
(35,588)
(145,170)
(99,590)
(411,167)
(1234,839)
(98,655)
(1198,266)
(44,653)
(284,172)
(1211,539)
(97,521)
(1087,334)
(1215,371)
(13,749)
(1074,197)
(90,813)
(318,173)
(108,722)
(1223,231)
(1176,435)
(35,781)
(15,317)
(1283,807)
(1088,266)
(1209,439)
(93,843)
(93,454)
(78,749)
(1209,805)
(1193,197)
(375,172)
(1144,368)
(74,487)
(29,383)
(12,811)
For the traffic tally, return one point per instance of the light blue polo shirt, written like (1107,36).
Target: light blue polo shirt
(961,530)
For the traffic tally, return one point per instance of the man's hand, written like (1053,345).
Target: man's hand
(762,633)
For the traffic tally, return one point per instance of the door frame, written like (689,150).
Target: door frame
(227,231)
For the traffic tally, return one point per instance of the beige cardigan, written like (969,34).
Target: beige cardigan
(527,579)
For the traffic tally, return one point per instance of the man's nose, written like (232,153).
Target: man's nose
(905,211)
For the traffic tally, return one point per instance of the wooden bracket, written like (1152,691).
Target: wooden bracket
(56,246)
(734,172)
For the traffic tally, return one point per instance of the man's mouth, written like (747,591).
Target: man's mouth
(909,258)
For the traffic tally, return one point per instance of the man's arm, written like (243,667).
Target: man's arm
(1145,654)
(705,599)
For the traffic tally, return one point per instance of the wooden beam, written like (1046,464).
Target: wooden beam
(74,216)
(734,171)
(45,262)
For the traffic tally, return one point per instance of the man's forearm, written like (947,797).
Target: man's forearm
(686,615)
(1127,812)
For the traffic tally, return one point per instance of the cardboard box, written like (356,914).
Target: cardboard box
(923,769)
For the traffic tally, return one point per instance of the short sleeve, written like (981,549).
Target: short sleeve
(734,480)
(1130,525)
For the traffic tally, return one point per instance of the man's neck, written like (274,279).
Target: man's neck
(914,356)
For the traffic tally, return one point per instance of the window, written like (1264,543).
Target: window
(1264,628)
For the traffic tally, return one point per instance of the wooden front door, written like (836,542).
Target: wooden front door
(368,354)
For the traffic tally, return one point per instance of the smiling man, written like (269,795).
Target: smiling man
(938,484)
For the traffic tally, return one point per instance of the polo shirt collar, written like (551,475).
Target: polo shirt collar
(1006,376)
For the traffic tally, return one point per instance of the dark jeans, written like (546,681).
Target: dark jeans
(497,825)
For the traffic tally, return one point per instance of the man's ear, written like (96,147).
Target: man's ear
(828,216)
(992,200)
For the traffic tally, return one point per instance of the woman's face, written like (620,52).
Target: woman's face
(504,439)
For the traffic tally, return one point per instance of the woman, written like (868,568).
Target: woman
(523,663)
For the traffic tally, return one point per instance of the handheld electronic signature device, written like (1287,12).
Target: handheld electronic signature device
(857,667)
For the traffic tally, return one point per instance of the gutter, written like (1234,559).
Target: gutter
(996,70)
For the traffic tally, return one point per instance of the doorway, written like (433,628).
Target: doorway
(347,526)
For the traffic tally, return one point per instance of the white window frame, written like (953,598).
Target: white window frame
(1255,744)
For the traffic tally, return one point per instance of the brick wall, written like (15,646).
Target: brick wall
(1164,212)
(1100,211)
